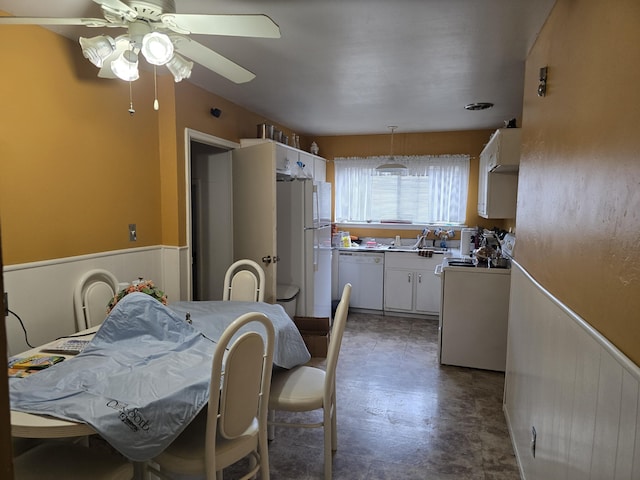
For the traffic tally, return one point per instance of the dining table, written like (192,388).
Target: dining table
(143,376)
(29,425)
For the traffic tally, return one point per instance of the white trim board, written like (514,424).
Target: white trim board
(576,388)
(41,293)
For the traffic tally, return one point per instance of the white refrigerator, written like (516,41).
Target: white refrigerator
(304,243)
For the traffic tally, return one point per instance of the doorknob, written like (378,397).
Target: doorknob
(266,259)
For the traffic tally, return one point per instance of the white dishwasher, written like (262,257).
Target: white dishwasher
(365,272)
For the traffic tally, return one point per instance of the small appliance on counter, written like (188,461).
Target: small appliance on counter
(467,241)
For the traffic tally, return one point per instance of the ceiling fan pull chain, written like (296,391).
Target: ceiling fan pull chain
(156,105)
(131,110)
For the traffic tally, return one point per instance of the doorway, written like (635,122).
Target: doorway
(209,214)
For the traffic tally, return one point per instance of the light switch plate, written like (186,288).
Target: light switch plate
(133,235)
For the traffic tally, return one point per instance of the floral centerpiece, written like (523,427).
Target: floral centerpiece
(140,285)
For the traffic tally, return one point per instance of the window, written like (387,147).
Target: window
(433,192)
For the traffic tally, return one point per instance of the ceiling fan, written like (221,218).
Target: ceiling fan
(161,35)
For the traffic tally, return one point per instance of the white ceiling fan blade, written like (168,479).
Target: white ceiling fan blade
(119,8)
(212,60)
(259,26)
(87,22)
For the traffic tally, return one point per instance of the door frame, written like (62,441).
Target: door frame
(200,137)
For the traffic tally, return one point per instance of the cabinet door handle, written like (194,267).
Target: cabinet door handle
(419,278)
(408,278)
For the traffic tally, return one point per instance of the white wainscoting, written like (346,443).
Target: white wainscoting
(570,383)
(41,293)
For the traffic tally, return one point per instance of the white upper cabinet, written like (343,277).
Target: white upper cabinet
(319,169)
(503,150)
(293,162)
(305,166)
(498,175)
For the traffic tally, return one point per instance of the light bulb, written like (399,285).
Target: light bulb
(157,48)
(125,66)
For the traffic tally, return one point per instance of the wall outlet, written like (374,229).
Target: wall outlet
(133,235)
(534,437)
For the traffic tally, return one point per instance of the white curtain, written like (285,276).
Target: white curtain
(434,191)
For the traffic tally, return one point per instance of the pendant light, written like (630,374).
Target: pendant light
(392,167)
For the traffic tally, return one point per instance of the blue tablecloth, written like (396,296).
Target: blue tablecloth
(211,318)
(140,381)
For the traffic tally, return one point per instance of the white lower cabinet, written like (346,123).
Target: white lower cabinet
(410,284)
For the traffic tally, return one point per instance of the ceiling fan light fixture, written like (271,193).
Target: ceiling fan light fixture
(157,48)
(125,66)
(97,49)
(143,17)
(179,67)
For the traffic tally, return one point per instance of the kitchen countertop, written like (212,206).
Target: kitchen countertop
(389,248)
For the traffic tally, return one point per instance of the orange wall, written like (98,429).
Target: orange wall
(75,167)
(434,143)
(579,184)
(193,107)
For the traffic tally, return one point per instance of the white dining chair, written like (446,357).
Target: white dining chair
(56,460)
(244,281)
(91,295)
(306,388)
(234,424)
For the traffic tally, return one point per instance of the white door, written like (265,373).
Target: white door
(254,210)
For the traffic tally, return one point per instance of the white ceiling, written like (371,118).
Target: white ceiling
(358,66)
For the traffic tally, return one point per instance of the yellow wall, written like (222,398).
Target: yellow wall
(193,107)
(579,185)
(75,167)
(433,143)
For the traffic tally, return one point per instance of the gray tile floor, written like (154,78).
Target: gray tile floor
(401,415)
